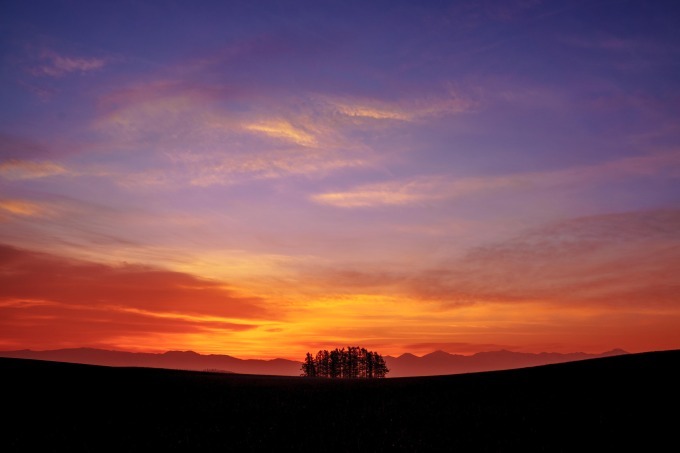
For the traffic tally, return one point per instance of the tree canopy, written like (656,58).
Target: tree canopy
(351,363)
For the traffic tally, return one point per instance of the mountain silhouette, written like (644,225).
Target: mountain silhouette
(407,364)
(180,360)
(441,362)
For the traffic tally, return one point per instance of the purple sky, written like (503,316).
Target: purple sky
(461,173)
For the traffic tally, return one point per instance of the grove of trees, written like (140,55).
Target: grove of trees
(351,363)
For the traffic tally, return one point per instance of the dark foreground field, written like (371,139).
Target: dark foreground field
(594,405)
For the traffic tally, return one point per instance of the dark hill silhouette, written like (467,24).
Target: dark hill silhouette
(624,403)
(435,363)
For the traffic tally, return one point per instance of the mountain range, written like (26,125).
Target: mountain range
(435,363)
(440,362)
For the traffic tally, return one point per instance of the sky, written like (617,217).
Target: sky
(262,179)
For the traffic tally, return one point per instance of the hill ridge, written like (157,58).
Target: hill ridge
(609,403)
(435,363)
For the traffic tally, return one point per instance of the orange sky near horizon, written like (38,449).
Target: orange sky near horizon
(50,302)
(404,176)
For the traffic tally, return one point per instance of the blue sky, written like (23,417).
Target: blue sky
(406,173)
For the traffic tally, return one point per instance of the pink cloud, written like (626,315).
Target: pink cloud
(625,259)
(56,65)
(15,169)
(438,187)
(70,283)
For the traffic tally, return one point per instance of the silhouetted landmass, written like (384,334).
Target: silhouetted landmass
(627,402)
(178,360)
(440,362)
(436,363)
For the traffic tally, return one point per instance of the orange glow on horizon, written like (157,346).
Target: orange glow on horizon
(147,310)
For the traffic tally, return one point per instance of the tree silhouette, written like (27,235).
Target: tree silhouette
(309,366)
(351,363)
(323,359)
(335,364)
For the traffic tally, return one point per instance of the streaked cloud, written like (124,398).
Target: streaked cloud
(284,130)
(405,109)
(572,263)
(389,193)
(365,111)
(15,169)
(205,131)
(114,301)
(77,282)
(626,260)
(22,208)
(53,64)
(422,189)
(437,187)
(273,164)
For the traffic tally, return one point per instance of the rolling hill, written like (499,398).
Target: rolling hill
(606,404)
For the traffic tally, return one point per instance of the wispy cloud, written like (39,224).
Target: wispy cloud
(283,130)
(205,144)
(614,260)
(416,190)
(215,170)
(23,208)
(53,64)
(400,109)
(622,259)
(15,169)
(437,187)
(212,134)
(385,194)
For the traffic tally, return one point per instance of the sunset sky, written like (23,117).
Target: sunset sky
(266,178)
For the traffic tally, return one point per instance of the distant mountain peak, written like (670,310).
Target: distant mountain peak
(437,353)
(440,362)
(182,353)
